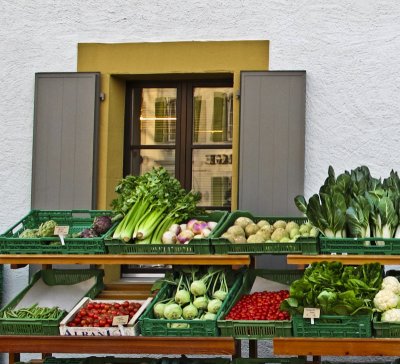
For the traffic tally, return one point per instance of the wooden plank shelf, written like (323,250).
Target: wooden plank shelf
(117,345)
(336,346)
(194,259)
(345,259)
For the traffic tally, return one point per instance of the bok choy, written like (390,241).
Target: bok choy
(355,204)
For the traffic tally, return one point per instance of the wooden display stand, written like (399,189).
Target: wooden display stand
(315,347)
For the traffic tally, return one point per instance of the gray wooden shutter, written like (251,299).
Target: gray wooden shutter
(272,134)
(272,119)
(64,161)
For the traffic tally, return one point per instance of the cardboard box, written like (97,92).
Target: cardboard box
(130,329)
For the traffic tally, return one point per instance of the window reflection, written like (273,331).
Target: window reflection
(158,116)
(212,115)
(212,176)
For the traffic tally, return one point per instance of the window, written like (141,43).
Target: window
(186,127)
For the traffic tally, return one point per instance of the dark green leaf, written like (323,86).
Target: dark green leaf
(301,203)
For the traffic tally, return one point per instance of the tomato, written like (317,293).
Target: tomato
(82,312)
(100,314)
(259,306)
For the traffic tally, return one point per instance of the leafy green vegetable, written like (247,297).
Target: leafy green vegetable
(355,204)
(358,218)
(326,212)
(335,289)
(151,203)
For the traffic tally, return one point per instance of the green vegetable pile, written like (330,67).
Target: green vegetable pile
(355,204)
(45,229)
(150,204)
(335,289)
(100,225)
(194,293)
(33,312)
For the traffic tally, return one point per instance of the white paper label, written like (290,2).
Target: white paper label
(61,230)
(120,320)
(311,312)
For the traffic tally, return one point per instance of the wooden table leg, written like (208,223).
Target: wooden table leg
(253,349)
(238,349)
(14,357)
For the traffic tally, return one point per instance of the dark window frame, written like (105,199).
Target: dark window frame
(184,145)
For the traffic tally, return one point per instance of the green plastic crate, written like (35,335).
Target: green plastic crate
(77,220)
(258,329)
(356,246)
(195,246)
(51,277)
(152,326)
(115,360)
(223,246)
(385,329)
(53,360)
(294,360)
(333,326)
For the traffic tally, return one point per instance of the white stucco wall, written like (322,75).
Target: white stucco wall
(350,50)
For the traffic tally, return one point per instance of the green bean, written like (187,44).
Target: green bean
(33,312)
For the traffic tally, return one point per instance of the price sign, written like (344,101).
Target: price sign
(311,313)
(120,320)
(61,230)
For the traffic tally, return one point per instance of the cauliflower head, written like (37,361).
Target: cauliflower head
(385,299)
(391,283)
(392,315)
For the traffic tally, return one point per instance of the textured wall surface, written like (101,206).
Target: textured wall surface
(349,48)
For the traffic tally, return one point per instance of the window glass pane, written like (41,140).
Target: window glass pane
(212,115)
(212,176)
(158,116)
(145,159)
